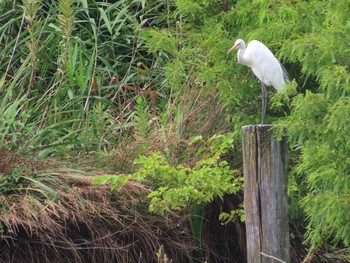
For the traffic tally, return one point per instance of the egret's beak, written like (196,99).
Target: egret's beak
(232,48)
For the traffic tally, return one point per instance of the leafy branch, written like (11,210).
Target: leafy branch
(176,187)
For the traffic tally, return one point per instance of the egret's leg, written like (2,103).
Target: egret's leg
(264,101)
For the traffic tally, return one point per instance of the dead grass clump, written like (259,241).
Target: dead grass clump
(196,112)
(10,161)
(87,224)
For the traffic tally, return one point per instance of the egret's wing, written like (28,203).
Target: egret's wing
(265,65)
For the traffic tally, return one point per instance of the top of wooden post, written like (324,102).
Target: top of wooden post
(258,126)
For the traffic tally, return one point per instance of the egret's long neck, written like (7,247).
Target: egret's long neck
(242,58)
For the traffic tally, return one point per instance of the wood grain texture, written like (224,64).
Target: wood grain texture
(265,195)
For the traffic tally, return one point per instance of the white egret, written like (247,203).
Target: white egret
(264,65)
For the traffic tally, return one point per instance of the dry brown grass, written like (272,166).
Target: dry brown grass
(87,224)
(200,112)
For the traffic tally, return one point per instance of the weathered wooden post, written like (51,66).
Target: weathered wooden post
(265,195)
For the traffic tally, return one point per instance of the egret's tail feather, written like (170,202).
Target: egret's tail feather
(286,76)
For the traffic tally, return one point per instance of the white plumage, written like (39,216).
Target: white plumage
(264,65)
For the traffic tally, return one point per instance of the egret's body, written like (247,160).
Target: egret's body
(264,65)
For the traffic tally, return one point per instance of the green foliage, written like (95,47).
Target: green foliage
(229,217)
(68,65)
(9,183)
(18,174)
(317,125)
(310,38)
(324,159)
(142,118)
(73,74)
(179,187)
(176,187)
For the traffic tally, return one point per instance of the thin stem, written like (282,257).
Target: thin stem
(15,47)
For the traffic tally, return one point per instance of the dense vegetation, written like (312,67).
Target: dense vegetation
(116,80)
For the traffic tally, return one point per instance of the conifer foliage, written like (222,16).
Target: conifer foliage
(83,75)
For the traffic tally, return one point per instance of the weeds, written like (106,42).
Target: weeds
(86,224)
